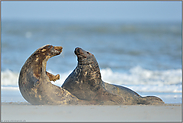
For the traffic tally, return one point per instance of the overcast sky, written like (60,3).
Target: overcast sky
(92,10)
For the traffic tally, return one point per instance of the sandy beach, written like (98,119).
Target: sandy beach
(24,112)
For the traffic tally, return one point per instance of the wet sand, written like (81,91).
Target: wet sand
(24,112)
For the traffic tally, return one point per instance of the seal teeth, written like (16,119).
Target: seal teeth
(59,48)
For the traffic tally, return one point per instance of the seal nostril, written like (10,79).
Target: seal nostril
(78,51)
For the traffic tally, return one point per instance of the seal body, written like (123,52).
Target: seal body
(85,83)
(131,97)
(34,80)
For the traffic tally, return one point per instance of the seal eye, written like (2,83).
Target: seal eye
(88,53)
(49,46)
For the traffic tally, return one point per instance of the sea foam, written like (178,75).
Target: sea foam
(137,78)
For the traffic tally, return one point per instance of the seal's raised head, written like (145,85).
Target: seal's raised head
(47,51)
(37,61)
(84,57)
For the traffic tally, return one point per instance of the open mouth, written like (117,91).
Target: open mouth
(57,50)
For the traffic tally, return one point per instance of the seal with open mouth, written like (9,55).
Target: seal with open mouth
(85,83)
(34,80)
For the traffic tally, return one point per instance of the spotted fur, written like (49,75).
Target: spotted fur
(85,83)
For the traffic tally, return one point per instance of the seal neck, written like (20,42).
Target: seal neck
(92,70)
(44,63)
(38,66)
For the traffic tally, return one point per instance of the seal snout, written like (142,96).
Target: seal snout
(78,51)
(58,49)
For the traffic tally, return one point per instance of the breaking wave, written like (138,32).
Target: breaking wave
(136,78)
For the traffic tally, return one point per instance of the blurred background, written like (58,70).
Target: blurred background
(137,44)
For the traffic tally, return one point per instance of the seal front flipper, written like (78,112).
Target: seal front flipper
(53,77)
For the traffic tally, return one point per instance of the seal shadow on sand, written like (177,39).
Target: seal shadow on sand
(83,86)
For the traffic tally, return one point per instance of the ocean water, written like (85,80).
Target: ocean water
(145,57)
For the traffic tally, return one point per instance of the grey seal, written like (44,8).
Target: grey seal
(85,83)
(34,80)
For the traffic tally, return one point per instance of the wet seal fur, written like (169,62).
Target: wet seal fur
(85,83)
(34,80)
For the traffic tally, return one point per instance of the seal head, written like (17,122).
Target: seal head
(84,57)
